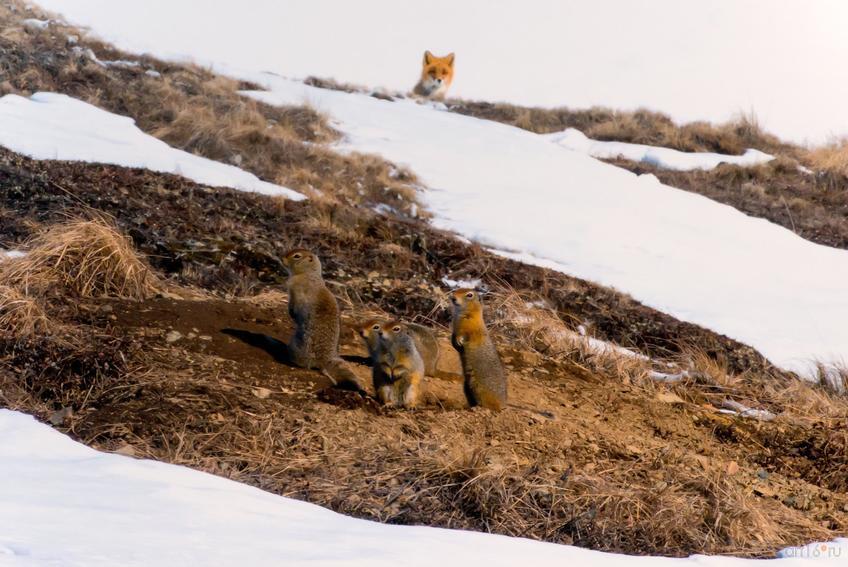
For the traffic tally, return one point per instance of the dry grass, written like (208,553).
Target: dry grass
(22,316)
(830,162)
(592,483)
(640,127)
(833,377)
(608,510)
(86,258)
(74,259)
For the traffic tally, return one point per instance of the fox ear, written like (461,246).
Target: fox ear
(428,57)
(449,59)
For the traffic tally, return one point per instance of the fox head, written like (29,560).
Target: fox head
(437,74)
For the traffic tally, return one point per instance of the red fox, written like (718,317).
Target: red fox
(436,76)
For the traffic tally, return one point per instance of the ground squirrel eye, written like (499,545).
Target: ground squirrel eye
(296,256)
(376,327)
(469,295)
(396,329)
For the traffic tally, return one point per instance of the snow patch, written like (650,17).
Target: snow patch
(87,53)
(34,24)
(122,64)
(458,284)
(11,254)
(665,158)
(55,126)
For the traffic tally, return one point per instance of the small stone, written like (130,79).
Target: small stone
(168,295)
(126,450)
(762,474)
(173,336)
(732,468)
(670,398)
(205,338)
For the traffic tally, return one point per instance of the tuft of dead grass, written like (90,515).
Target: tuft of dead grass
(830,163)
(87,258)
(22,316)
(833,377)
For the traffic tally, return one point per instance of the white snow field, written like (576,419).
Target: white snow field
(55,126)
(64,504)
(693,60)
(540,203)
(665,158)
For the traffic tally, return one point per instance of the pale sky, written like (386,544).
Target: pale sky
(783,59)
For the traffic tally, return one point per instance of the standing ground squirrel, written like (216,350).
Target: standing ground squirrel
(399,368)
(315,342)
(485,378)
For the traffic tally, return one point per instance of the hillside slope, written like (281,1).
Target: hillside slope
(693,444)
(688,256)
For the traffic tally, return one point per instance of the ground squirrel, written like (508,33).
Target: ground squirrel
(399,369)
(485,378)
(315,342)
(424,338)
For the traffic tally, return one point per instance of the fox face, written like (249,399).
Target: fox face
(436,76)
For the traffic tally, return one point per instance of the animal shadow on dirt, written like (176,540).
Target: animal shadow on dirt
(278,349)
(275,347)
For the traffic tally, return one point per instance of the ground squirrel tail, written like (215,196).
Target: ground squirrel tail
(342,376)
